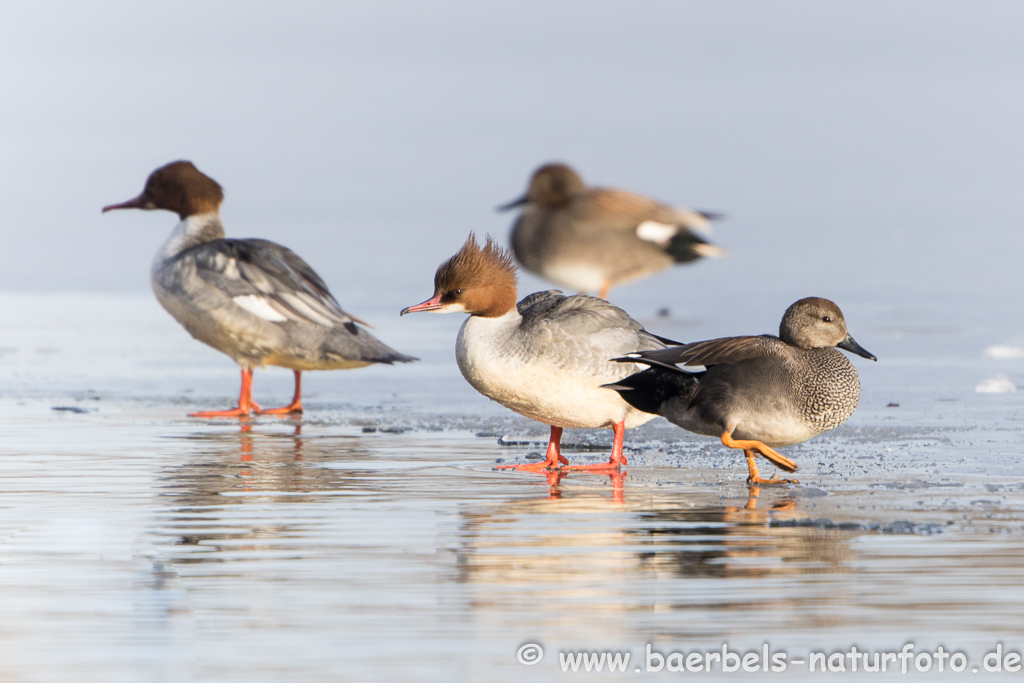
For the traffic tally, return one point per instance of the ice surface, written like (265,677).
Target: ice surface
(371,540)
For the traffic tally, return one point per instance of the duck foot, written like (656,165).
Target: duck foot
(601,467)
(295,406)
(234,412)
(245,403)
(761,481)
(290,409)
(754,479)
(532,466)
(553,459)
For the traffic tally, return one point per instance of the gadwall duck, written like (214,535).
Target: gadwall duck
(590,239)
(756,392)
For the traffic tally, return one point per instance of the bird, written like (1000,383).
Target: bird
(757,393)
(590,239)
(546,357)
(252,299)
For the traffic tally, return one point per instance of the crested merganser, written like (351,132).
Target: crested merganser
(756,392)
(545,357)
(590,239)
(251,299)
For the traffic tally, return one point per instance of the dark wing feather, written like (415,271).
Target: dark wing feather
(715,351)
(275,275)
(537,304)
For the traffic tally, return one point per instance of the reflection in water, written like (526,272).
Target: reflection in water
(292,534)
(560,556)
(563,539)
(253,468)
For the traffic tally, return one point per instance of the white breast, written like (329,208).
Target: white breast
(499,364)
(777,429)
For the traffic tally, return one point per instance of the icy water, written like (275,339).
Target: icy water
(371,540)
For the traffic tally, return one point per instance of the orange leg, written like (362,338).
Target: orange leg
(752,448)
(295,406)
(605,286)
(554,458)
(617,460)
(245,402)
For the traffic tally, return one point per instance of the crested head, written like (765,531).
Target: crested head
(179,187)
(479,280)
(554,185)
(815,323)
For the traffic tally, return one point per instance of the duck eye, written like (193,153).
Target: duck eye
(458,292)
(826,318)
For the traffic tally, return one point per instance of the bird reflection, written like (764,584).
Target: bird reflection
(617,479)
(578,540)
(231,473)
(245,436)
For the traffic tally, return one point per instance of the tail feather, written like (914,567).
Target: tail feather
(686,245)
(645,359)
(351,342)
(650,389)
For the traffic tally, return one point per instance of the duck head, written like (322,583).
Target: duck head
(552,185)
(815,323)
(179,187)
(479,280)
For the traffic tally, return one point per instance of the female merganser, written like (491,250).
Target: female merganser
(757,392)
(545,358)
(589,239)
(252,299)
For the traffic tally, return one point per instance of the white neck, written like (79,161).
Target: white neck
(190,232)
(488,336)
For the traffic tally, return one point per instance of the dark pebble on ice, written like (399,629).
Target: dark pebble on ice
(816,524)
(899,527)
(393,430)
(533,455)
(70,409)
(508,440)
(369,430)
(893,405)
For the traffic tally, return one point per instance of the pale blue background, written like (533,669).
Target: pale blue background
(868,149)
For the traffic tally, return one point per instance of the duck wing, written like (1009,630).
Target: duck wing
(583,331)
(711,352)
(268,280)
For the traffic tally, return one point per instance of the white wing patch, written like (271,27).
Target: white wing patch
(259,307)
(659,233)
(230,269)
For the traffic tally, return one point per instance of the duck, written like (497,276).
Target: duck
(590,239)
(252,299)
(756,393)
(546,357)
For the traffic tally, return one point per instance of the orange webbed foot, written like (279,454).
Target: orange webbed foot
(234,412)
(531,466)
(600,467)
(292,409)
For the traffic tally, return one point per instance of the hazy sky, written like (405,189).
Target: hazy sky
(851,144)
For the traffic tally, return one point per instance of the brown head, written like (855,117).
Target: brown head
(815,323)
(552,185)
(477,280)
(179,187)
